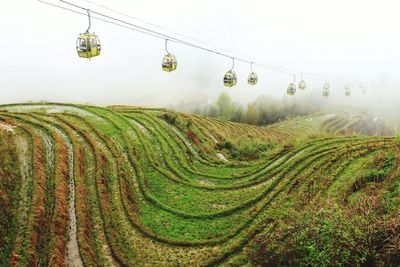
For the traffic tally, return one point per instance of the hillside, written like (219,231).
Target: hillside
(84,185)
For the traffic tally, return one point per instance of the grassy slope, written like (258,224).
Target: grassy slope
(149,188)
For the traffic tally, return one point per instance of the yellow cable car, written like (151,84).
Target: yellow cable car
(302,83)
(88,44)
(325,89)
(230,78)
(326,85)
(291,90)
(252,79)
(169,62)
(347,91)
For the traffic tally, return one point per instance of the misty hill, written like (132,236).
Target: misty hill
(129,186)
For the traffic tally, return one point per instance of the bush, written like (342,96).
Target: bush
(246,148)
(171,118)
(332,234)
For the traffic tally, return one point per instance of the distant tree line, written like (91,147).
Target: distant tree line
(263,110)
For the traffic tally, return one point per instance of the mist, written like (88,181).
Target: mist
(357,40)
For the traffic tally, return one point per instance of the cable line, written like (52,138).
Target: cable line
(144,30)
(313,75)
(88,45)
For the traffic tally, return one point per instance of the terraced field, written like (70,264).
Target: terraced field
(124,186)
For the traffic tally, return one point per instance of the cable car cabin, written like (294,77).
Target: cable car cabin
(347,89)
(88,45)
(169,63)
(325,92)
(252,79)
(302,85)
(291,90)
(326,86)
(230,78)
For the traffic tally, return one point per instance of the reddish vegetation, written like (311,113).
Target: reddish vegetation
(38,200)
(86,247)
(59,228)
(193,137)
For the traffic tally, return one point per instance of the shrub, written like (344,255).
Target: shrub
(171,118)
(246,148)
(332,234)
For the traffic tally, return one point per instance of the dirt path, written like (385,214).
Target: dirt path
(73,256)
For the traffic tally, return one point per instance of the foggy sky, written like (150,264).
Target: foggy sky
(356,39)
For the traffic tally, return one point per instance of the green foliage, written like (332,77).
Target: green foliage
(376,171)
(10,180)
(264,110)
(224,106)
(331,234)
(170,117)
(384,164)
(246,148)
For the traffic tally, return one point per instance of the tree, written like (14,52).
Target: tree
(224,105)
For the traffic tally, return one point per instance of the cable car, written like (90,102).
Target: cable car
(326,85)
(230,78)
(88,44)
(302,83)
(325,90)
(252,79)
(169,62)
(347,91)
(291,90)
